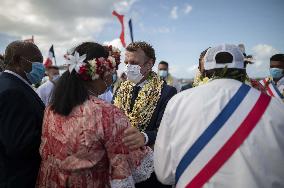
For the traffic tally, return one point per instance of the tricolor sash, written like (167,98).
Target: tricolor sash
(222,137)
(271,89)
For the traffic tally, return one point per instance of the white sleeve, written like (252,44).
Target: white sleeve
(176,84)
(41,93)
(162,152)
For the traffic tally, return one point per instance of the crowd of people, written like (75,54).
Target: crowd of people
(90,127)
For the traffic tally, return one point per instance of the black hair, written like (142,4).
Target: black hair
(70,90)
(2,65)
(164,63)
(277,57)
(232,73)
(201,56)
(18,49)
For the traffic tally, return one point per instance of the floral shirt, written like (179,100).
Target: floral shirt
(85,149)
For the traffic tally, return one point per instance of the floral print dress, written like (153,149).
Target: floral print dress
(85,149)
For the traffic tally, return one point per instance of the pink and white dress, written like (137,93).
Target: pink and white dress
(85,149)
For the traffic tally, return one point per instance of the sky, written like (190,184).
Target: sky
(179,30)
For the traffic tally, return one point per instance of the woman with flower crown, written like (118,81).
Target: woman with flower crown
(82,135)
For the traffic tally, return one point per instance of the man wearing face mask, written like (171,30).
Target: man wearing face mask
(274,85)
(45,90)
(277,71)
(163,71)
(21,114)
(143,98)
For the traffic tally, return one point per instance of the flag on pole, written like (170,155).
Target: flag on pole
(30,39)
(48,62)
(120,18)
(131,30)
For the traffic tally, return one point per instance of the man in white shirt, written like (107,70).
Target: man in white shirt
(223,133)
(45,90)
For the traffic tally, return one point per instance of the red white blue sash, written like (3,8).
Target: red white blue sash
(271,89)
(221,138)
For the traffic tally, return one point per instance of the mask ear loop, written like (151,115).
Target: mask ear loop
(18,58)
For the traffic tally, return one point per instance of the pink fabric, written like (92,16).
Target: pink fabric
(85,148)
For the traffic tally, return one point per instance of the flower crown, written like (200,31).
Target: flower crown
(114,52)
(94,68)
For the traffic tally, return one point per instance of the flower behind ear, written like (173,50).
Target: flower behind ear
(75,62)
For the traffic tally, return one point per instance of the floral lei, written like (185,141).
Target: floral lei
(95,67)
(199,80)
(145,103)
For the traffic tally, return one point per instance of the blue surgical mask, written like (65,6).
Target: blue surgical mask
(55,78)
(163,73)
(276,72)
(37,73)
(114,78)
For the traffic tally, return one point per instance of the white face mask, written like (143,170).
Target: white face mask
(133,73)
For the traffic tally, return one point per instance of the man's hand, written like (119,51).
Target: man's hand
(133,138)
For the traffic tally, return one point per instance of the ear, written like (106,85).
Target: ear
(151,62)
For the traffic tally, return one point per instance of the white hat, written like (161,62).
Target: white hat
(238,58)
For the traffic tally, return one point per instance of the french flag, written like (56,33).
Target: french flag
(48,62)
(120,18)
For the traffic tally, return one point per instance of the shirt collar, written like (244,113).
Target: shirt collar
(18,76)
(143,83)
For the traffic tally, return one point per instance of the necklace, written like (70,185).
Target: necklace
(145,103)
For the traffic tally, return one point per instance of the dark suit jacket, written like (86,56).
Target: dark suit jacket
(21,115)
(166,94)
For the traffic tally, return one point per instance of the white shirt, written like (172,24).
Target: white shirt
(106,96)
(172,81)
(143,83)
(258,162)
(280,85)
(44,92)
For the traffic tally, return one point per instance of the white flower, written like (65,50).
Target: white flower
(112,60)
(95,76)
(93,63)
(114,49)
(76,61)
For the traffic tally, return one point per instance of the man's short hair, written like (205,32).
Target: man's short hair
(164,63)
(17,49)
(277,57)
(147,49)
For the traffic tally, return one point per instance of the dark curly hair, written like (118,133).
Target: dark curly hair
(147,49)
